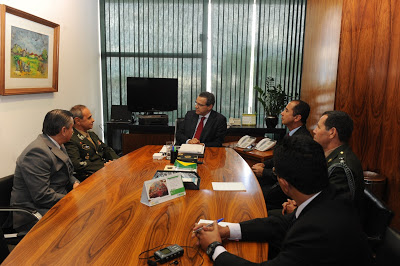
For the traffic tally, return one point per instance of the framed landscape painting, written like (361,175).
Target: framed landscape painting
(29,53)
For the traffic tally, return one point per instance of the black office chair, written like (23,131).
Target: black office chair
(376,217)
(388,254)
(178,125)
(4,251)
(10,236)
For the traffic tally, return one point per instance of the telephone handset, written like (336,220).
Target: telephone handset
(245,141)
(265,144)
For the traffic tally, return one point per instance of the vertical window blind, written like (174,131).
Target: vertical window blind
(280,46)
(248,41)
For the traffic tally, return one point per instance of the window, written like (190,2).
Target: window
(224,46)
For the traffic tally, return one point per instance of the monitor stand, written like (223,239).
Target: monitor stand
(159,119)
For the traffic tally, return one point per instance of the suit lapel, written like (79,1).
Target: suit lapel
(302,131)
(325,194)
(298,132)
(62,155)
(208,126)
(193,122)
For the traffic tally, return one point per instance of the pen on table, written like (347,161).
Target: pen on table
(208,225)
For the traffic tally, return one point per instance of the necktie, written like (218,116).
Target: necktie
(199,128)
(69,163)
(62,148)
(90,139)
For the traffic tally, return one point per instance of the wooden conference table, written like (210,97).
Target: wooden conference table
(103,222)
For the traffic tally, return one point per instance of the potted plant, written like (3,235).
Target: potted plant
(273,99)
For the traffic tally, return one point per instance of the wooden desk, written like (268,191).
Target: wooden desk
(251,157)
(102,222)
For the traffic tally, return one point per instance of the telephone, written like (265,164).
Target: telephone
(245,141)
(234,121)
(265,144)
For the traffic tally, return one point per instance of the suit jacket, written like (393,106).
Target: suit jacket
(269,163)
(86,157)
(213,133)
(327,232)
(338,177)
(43,175)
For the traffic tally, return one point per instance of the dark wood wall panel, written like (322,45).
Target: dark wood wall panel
(320,60)
(368,85)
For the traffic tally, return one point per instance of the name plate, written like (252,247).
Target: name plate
(162,189)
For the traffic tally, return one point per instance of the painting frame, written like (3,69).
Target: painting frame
(7,85)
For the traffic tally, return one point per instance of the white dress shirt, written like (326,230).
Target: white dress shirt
(236,231)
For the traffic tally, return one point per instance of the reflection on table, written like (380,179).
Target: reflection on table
(103,221)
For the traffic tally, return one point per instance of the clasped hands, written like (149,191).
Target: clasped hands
(210,234)
(194,141)
(289,206)
(258,169)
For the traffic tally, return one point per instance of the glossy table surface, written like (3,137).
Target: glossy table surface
(103,222)
(251,157)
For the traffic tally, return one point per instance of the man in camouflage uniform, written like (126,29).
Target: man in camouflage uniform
(87,152)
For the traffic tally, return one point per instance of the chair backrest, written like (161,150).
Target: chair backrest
(3,247)
(388,254)
(178,125)
(6,184)
(376,217)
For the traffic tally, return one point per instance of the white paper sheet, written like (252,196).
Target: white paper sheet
(223,224)
(228,186)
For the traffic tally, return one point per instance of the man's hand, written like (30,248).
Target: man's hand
(107,163)
(210,234)
(75,185)
(289,206)
(258,169)
(194,141)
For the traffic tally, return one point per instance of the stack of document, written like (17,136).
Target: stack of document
(192,148)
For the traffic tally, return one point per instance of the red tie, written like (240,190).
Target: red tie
(199,128)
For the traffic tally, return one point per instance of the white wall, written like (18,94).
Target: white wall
(79,81)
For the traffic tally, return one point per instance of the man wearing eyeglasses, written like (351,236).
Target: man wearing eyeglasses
(203,125)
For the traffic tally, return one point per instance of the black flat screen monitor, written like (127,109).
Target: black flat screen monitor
(152,94)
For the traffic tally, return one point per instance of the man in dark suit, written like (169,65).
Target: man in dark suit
(333,132)
(44,172)
(203,125)
(87,152)
(294,117)
(322,231)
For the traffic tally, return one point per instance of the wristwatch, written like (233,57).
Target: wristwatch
(211,248)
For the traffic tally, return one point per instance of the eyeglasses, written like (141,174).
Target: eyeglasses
(199,104)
